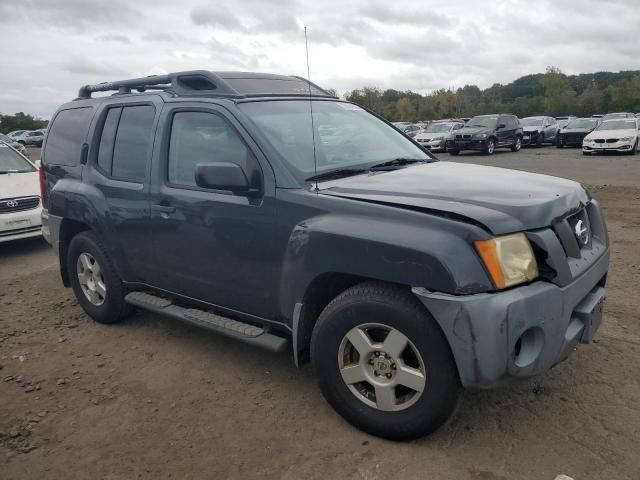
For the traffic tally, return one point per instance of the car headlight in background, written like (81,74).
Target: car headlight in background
(436,139)
(625,139)
(480,135)
(509,259)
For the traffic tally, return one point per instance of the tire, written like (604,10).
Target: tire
(635,148)
(453,152)
(22,143)
(410,414)
(558,144)
(108,305)
(540,140)
(491,147)
(586,153)
(518,145)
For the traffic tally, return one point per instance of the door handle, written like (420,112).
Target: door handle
(163,208)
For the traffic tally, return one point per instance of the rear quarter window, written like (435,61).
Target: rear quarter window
(66,135)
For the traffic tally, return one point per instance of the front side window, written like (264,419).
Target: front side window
(202,137)
(346,136)
(133,142)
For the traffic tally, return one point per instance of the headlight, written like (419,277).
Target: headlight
(437,139)
(480,135)
(509,259)
(626,139)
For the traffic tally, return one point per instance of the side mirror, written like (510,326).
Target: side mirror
(502,125)
(222,176)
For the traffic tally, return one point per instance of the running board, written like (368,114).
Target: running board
(226,326)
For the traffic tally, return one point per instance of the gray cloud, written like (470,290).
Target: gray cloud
(403,45)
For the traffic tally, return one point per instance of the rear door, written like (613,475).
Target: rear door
(503,129)
(120,160)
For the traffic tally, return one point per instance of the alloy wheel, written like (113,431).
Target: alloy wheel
(381,367)
(91,279)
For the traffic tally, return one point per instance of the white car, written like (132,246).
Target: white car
(20,207)
(434,136)
(615,135)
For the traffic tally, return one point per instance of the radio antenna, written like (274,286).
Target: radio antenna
(313,128)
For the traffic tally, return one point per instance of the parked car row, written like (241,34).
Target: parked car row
(32,138)
(6,139)
(485,133)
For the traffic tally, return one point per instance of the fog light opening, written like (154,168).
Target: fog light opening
(527,348)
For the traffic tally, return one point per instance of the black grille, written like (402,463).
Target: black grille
(612,140)
(10,205)
(467,136)
(599,140)
(568,230)
(459,137)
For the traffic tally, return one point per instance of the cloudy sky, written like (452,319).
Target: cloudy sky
(51,47)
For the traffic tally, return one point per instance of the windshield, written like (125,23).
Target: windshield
(532,122)
(12,162)
(618,125)
(582,123)
(487,121)
(346,136)
(439,127)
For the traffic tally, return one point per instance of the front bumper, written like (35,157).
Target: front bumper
(570,139)
(607,147)
(495,337)
(434,145)
(467,144)
(21,224)
(530,138)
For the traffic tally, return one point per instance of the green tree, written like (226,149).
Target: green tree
(406,110)
(625,95)
(21,121)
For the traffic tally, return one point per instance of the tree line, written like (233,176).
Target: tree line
(21,121)
(551,93)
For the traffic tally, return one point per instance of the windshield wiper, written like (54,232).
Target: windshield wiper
(4,172)
(337,173)
(395,163)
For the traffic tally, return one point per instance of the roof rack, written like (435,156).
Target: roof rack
(206,83)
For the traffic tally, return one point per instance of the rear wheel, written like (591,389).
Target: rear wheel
(95,283)
(383,363)
(517,145)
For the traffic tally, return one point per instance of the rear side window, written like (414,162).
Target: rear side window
(108,139)
(66,135)
(125,142)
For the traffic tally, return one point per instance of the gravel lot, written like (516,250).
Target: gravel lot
(153,398)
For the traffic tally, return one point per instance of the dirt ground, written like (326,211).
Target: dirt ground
(153,398)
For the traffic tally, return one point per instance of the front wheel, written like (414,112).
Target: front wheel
(634,149)
(95,283)
(491,147)
(453,152)
(517,145)
(383,363)
(540,140)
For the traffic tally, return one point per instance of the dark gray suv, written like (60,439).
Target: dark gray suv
(485,133)
(263,208)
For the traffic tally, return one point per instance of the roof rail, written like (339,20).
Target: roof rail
(182,83)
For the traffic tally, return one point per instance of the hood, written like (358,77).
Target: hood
(576,130)
(604,134)
(19,185)
(533,128)
(502,200)
(473,130)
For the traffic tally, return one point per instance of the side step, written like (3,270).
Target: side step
(226,326)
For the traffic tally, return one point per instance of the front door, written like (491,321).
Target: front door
(214,246)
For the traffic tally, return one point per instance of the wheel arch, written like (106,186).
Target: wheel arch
(68,229)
